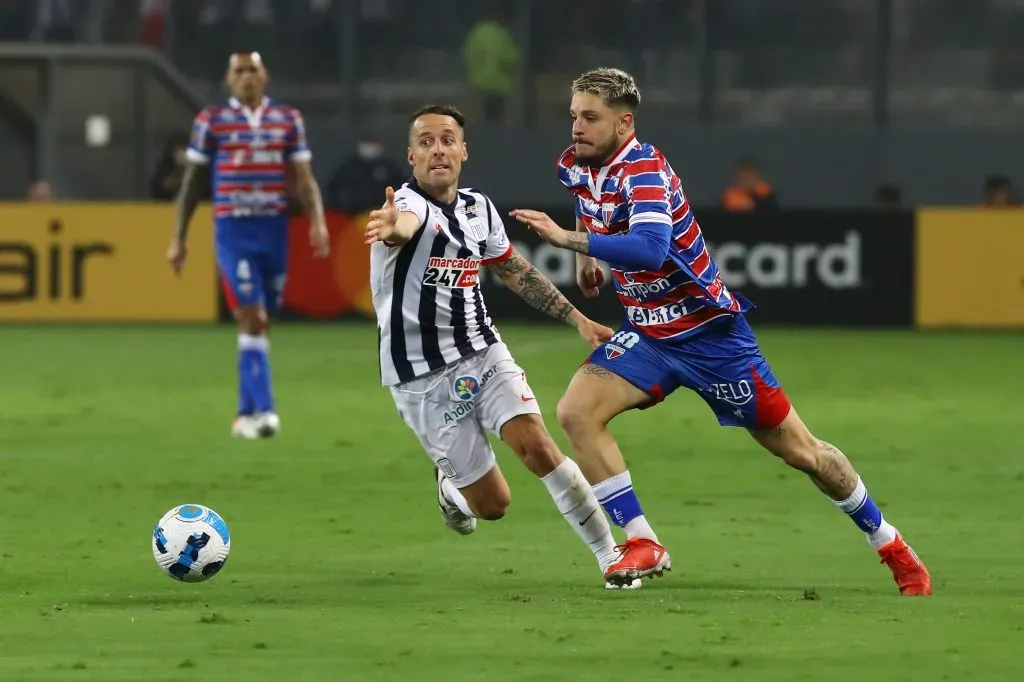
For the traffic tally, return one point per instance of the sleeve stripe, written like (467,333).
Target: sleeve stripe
(649,217)
(196,156)
(503,257)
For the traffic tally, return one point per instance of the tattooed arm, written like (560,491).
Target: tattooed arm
(188,199)
(189,195)
(524,279)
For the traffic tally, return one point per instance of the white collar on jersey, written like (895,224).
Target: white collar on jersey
(254,117)
(595,184)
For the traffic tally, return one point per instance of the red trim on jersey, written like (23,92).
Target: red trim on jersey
(773,405)
(502,257)
(391,245)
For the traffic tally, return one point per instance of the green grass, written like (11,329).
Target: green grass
(342,570)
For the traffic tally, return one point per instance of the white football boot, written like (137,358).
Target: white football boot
(244,426)
(451,514)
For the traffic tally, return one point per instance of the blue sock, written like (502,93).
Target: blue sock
(245,402)
(255,357)
(618,499)
(862,509)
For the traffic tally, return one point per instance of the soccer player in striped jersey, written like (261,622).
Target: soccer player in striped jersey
(452,378)
(252,144)
(684,328)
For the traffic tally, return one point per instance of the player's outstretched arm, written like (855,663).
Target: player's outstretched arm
(389,225)
(645,247)
(524,279)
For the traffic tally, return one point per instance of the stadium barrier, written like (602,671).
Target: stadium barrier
(969,268)
(800,267)
(100,262)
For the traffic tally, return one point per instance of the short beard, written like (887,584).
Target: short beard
(599,157)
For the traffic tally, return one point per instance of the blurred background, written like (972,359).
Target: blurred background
(816,138)
(827,103)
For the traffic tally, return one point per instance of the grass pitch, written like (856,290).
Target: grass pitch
(341,569)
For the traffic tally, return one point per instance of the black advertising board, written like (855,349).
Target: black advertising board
(799,267)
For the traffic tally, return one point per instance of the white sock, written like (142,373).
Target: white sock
(885,534)
(640,528)
(616,495)
(575,500)
(452,494)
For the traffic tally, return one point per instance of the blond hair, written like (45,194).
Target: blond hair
(615,87)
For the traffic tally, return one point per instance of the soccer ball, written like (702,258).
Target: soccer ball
(191,543)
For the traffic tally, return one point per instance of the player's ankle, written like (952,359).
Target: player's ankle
(639,527)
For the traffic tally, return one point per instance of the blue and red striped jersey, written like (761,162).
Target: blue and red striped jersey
(638,186)
(248,151)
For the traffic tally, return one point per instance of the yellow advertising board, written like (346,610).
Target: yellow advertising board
(970,268)
(102,262)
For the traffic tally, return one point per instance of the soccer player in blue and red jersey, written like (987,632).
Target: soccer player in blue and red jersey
(250,143)
(683,329)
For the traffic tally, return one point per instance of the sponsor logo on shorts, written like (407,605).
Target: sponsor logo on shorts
(734,393)
(465,389)
(460,412)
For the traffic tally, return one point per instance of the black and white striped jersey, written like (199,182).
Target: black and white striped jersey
(426,292)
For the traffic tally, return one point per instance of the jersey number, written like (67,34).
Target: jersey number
(450,277)
(625,339)
(242,270)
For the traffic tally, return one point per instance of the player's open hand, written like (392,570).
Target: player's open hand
(176,254)
(319,239)
(546,228)
(589,276)
(594,333)
(383,221)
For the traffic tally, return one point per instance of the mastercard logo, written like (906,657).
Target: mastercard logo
(334,286)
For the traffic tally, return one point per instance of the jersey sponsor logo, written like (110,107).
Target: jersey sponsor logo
(640,291)
(646,317)
(458,273)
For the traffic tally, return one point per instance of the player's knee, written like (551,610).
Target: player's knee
(574,417)
(251,320)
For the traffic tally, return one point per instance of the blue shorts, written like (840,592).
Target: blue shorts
(252,256)
(723,365)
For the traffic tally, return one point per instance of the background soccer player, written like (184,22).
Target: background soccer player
(683,327)
(249,142)
(451,376)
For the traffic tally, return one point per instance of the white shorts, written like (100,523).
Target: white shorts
(452,410)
